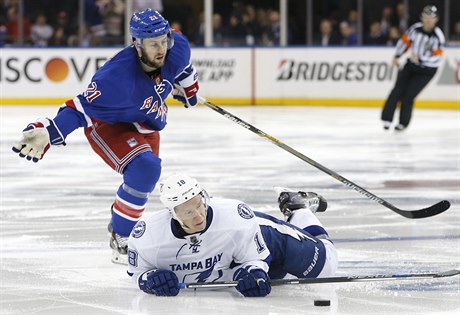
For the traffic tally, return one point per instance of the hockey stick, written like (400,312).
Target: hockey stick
(277,282)
(411,214)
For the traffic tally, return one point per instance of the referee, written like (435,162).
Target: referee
(426,43)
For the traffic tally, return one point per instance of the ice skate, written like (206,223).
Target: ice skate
(289,201)
(119,245)
(400,127)
(386,125)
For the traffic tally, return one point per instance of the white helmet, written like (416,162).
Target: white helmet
(177,189)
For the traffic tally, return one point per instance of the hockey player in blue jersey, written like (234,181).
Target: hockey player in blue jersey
(122,111)
(203,239)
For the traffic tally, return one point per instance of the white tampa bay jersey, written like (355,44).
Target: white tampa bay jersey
(232,236)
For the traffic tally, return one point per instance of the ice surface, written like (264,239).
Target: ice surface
(55,257)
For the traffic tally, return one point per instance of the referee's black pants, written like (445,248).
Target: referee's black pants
(410,82)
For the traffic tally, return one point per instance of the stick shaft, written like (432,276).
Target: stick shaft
(423,213)
(278,282)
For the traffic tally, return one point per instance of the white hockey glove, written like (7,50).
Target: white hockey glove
(37,138)
(188,99)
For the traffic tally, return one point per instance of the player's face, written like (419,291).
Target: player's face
(429,22)
(192,214)
(154,51)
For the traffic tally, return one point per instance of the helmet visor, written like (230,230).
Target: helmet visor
(198,205)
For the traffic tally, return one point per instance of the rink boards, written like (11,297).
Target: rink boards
(239,76)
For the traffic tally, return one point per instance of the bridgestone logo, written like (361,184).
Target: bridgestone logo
(293,70)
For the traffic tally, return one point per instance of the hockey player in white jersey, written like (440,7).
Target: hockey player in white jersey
(203,239)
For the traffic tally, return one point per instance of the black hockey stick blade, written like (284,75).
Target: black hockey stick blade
(449,273)
(278,282)
(435,209)
(411,214)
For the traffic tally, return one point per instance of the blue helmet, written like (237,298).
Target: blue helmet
(149,23)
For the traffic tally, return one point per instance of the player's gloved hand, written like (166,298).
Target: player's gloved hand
(252,283)
(186,96)
(162,283)
(37,138)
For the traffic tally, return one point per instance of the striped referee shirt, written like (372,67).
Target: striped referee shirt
(427,46)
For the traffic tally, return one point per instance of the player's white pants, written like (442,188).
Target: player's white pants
(332,260)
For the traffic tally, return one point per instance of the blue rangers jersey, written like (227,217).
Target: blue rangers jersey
(120,91)
(232,237)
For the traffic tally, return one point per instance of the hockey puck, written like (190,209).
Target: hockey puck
(322,302)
